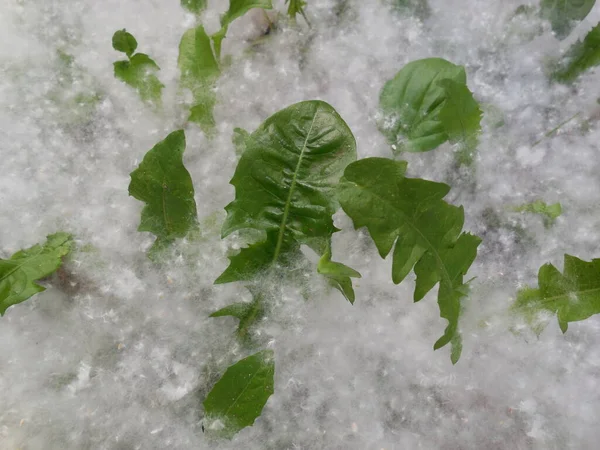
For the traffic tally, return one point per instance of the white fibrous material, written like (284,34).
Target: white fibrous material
(122,354)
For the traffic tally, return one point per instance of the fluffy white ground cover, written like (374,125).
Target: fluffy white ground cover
(119,354)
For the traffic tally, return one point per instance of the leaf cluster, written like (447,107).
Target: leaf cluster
(139,70)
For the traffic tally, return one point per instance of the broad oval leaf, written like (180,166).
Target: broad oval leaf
(423,105)
(285,186)
(122,41)
(426,231)
(564,14)
(199,72)
(240,395)
(582,55)
(18,275)
(573,295)
(164,184)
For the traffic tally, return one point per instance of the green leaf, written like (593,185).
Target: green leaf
(237,8)
(247,313)
(139,73)
(164,184)
(285,186)
(426,231)
(122,41)
(461,117)
(338,275)
(194,6)
(548,212)
(239,140)
(573,295)
(582,55)
(199,73)
(19,273)
(240,395)
(418,8)
(296,7)
(412,101)
(564,14)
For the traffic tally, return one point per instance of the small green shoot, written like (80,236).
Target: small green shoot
(139,70)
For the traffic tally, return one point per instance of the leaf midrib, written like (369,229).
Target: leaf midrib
(288,202)
(566,296)
(432,248)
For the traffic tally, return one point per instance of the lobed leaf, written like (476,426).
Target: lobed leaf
(564,14)
(18,275)
(582,55)
(410,216)
(426,104)
(199,72)
(573,295)
(164,184)
(240,395)
(285,186)
(296,7)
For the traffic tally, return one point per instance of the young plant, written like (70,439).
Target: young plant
(19,273)
(573,295)
(410,215)
(428,103)
(139,70)
(164,184)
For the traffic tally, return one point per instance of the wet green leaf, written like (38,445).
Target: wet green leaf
(164,184)
(573,295)
(410,215)
(240,395)
(18,275)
